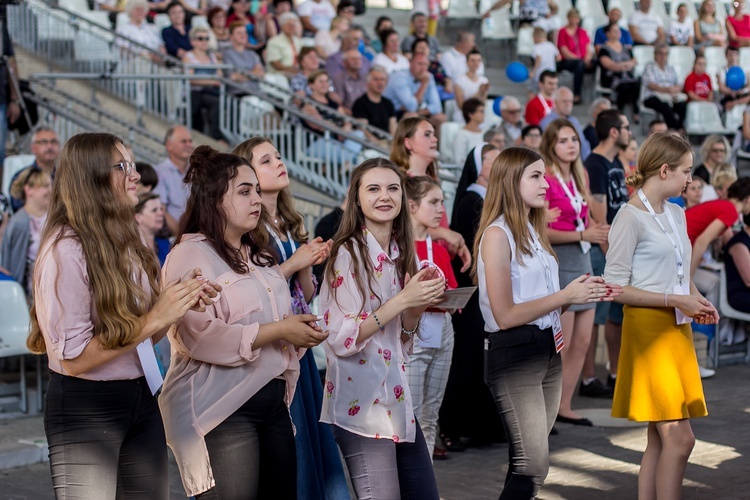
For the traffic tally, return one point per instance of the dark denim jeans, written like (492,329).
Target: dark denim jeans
(106,439)
(524,375)
(252,452)
(383,470)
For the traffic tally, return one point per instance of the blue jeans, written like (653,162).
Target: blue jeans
(524,374)
(598,263)
(383,469)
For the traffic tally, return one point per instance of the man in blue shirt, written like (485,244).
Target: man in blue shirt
(414,93)
(564,109)
(615,14)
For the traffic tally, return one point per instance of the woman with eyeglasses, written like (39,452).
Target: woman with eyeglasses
(738,26)
(713,152)
(97,312)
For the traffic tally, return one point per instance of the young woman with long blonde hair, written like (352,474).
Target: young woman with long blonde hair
(521,303)
(571,236)
(97,313)
(649,255)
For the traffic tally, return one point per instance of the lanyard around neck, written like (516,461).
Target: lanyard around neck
(679,251)
(546,107)
(280,244)
(544,257)
(576,200)
(428,244)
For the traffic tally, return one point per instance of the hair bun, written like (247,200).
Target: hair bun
(635,180)
(200,163)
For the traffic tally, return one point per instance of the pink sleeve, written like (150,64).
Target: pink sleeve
(64,291)
(584,39)
(216,335)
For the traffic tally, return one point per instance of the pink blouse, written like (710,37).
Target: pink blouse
(558,199)
(366,391)
(215,368)
(66,311)
(576,44)
(741,27)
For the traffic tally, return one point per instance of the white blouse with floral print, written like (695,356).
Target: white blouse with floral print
(366,391)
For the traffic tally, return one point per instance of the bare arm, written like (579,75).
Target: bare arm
(741,256)
(598,207)
(713,231)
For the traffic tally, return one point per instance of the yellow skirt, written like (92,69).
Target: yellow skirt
(657,374)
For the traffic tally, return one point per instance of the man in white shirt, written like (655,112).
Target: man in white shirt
(454,59)
(646,28)
(316,15)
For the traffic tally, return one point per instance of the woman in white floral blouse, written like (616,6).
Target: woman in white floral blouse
(367,398)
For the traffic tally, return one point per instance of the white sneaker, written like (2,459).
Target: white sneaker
(706,372)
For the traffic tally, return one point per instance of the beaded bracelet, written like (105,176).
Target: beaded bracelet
(382,328)
(410,333)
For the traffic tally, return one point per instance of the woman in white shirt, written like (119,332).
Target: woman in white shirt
(372,310)
(328,42)
(391,59)
(472,84)
(649,255)
(521,302)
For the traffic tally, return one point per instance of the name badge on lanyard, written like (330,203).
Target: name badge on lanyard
(554,315)
(431,323)
(683,287)
(576,201)
(280,244)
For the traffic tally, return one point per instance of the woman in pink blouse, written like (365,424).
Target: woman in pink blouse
(738,26)
(372,310)
(97,314)
(571,236)
(235,365)
(576,50)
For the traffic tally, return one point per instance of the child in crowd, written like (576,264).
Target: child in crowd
(681,31)
(698,84)
(545,55)
(471,135)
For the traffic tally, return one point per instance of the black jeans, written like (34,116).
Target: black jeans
(524,374)
(628,93)
(252,452)
(207,100)
(674,115)
(106,439)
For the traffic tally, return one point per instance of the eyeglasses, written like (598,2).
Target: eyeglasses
(719,150)
(47,142)
(513,110)
(201,38)
(126,166)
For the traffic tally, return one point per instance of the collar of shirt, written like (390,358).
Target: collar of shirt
(376,253)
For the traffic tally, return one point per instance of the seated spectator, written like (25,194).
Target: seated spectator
(194,8)
(204,94)
(724,176)
(708,30)
(219,34)
(496,137)
(350,84)
(139,31)
(577,54)
(545,56)
(339,150)
(628,156)
(316,15)
(730,98)
(657,125)
(680,30)
(309,63)
(269,26)
(737,268)
(512,124)
(698,84)
(738,26)
(646,27)
(618,70)
(240,11)
(661,89)
(418,29)
(413,92)
(328,42)
(176,39)
(383,23)
(173,191)
(541,105)
(600,38)
(454,59)
(24,231)
(242,59)
(149,215)
(391,58)
(282,50)
(714,151)
(114,7)
(444,84)
(564,109)
(148,179)
(471,134)
(350,40)
(597,106)
(45,146)
(470,85)
(531,137)
(693,194)
(535,12)
(372,107)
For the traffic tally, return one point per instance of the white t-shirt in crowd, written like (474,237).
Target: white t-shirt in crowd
(681,31)
(454,63)
(320,13)
(465,141)
(648,25)
(548,52)
(387,63)
(470,89)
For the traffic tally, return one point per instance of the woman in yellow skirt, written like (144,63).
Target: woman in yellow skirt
(649,255)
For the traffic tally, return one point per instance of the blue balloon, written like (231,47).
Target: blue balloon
(517,72)
(735,78)
(496,105)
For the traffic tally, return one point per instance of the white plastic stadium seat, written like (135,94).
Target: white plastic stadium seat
(733,118)
(703,118)
(12,165)
(448,131)
(715,61)
(643,55)
(161,21)
(682,58)
(525,42)
(14,329)
(77,6)
(462,9)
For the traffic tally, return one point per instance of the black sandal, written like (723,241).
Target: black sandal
(453,445)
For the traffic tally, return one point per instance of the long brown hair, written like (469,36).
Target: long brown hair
(87,206)
(549,140)
(210,175)
(292,220)
(399,153)
(351,235)
(504,198)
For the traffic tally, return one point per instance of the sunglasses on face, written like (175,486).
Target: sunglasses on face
(201,38)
